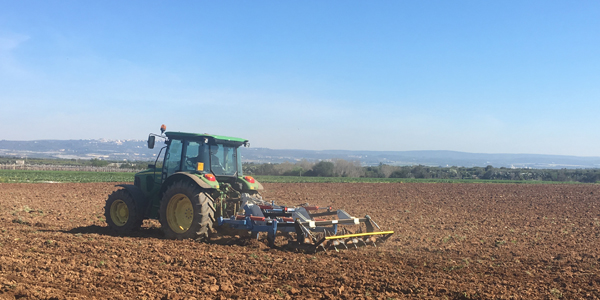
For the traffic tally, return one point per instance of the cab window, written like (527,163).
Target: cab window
(223,160)
(173,157)
(195,154)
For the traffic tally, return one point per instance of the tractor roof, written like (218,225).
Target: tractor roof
(187,135)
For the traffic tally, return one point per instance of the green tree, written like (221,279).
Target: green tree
(99,163)
(420,172)
(322,169)
(296,171)
(402,173)
(489,173)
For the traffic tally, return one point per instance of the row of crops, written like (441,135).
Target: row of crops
(16,176)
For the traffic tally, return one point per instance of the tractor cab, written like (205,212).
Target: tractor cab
(202,154)
(211,158)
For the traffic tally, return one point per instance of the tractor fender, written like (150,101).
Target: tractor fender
(183,176)
(137,195)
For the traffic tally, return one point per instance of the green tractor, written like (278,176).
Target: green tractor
(198,186)
(199,179)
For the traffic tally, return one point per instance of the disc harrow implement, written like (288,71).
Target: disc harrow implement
(310,228)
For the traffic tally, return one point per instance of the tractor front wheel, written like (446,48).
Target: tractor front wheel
(186,212)
(121,212)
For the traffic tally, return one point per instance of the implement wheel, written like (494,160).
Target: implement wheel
(186,212)
(121,212)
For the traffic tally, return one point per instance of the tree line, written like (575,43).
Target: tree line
(343,168)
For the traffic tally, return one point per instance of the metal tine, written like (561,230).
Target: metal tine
(325,242)
(345,231)
(373,239)
(360,239)
(344,243)
(312,237)
(322,246)
(374,223)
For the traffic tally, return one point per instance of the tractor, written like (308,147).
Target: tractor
(198,187)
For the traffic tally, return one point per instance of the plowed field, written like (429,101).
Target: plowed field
(452,241)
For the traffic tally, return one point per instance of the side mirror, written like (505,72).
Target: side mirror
(151,140)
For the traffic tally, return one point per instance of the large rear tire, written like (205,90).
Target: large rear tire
(121,212)
(187,212)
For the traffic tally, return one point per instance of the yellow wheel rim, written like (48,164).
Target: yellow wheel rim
(119,212)
(180,213)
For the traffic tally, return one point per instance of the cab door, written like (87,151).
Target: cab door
(172,162)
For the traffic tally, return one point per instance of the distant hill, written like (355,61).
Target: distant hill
(137,150)
(79,149)
(428,158)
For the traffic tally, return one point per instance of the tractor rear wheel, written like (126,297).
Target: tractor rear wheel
(186,212)
(122,213)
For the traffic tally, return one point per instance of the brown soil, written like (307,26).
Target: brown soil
(452,241)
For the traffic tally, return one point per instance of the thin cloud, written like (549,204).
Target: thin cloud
(9,65)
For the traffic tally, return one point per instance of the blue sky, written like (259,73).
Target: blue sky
(473,76)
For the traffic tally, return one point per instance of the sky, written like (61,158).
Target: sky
(471,76)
